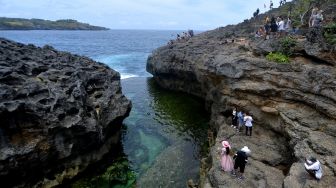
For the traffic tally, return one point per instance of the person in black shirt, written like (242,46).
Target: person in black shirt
(241,158)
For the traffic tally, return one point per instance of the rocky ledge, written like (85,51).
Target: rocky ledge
(59,113)
(293,105)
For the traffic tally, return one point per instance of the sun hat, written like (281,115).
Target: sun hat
(225,144)
(246,150)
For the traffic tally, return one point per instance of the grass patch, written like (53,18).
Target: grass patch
(277,57)
(287,45)
(329,33)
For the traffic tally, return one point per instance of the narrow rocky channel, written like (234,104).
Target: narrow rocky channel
(163,139)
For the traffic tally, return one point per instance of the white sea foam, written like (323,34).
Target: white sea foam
(125,75)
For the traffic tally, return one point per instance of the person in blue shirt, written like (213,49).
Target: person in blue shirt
(240,120)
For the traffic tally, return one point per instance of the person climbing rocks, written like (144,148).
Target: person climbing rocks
(226,160)
(313,167)
(271,5)
(241,158)
(248,124)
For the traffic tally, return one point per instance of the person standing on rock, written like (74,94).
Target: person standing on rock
(240,120)
(226,160)
(234,118)
(281,27)
(267,27)
(274,26)
(248,124)
(241,158)
(313,167)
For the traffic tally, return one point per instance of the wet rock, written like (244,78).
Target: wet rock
(59,112)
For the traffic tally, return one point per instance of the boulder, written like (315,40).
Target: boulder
(59,113)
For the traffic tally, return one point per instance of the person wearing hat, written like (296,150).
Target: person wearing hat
(226,160)
(241,158)
(313,167)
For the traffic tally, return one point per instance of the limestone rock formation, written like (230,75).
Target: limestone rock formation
(293,105)
(59,112)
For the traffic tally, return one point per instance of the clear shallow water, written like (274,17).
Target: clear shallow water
(165,132)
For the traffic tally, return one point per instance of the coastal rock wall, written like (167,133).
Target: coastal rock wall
(293,105)
(59,112)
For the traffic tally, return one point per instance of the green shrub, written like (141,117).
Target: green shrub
(287,45)
(277,57)
(329,33)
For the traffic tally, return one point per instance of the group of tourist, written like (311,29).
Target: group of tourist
(281,26)
(316,18)
(240,119)
(182,37)
(282,2)
(240,159)
(312,165)
(275,27)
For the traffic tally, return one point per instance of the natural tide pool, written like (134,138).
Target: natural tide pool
(162,140)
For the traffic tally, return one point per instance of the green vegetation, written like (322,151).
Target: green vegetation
(329,33)
(300,10)
(277,57)
(287,45)
(117,176)
(39,24)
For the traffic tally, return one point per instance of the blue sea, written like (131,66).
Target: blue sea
(123,50)
(165,133)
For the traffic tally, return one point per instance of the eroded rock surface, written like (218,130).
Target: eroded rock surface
(59,112)
(293,105)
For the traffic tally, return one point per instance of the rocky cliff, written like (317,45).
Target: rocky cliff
(293,105)
(59,112)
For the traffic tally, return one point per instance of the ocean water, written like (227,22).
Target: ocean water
(123,50)
(164,135)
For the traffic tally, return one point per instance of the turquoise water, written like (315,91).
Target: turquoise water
(161,142)
(164,135)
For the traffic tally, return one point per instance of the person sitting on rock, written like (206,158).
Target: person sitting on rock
(241,158)
(313,167)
